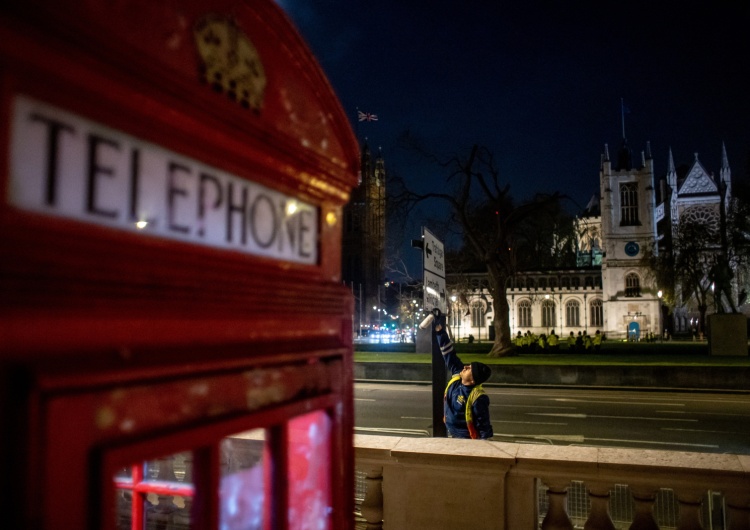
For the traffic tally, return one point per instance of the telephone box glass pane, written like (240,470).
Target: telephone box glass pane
(309,481)
(157,493)
(164,509)
(242,494)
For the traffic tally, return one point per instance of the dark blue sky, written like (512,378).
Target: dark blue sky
(539,82)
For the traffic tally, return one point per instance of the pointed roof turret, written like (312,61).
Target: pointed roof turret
(670,163)
(725,174)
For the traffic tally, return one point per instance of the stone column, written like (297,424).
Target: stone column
(372,505)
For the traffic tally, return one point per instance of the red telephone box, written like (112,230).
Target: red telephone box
(175,341)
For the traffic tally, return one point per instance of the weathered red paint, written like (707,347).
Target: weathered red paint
(117,348)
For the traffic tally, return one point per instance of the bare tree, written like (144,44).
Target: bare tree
(489,221)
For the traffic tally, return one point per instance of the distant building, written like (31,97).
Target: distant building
(693,195)
(609,289)
(363,240)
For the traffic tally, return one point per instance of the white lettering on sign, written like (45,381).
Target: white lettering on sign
(434,255)
(64,165)
(434,292)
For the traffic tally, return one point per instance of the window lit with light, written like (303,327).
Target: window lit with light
(524,314)
(548,314)
(597,313)
(632,285)
(572,314)
(629,204)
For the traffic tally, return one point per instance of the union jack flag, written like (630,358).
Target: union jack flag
(366,116)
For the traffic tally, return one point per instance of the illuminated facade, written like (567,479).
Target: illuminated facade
(609,289)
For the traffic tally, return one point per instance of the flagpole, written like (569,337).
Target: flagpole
(356,127)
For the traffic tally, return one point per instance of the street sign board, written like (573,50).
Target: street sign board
(434,271)
(433,254)
(434,292)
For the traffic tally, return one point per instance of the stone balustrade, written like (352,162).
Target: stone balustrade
(436,483)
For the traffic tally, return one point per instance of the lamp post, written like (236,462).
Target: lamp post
(661,316)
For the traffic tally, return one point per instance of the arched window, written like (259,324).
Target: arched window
(572,314)
(548,314)
(629,204)
(477,313)
(597,313)
(632,285)
(524,314)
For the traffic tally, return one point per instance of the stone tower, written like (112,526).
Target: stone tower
(628,230)
(363,245)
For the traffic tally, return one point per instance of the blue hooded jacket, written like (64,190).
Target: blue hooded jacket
(457,396)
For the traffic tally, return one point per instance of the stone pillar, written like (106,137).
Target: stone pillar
(599,518)
(690,509)
(727,334)
(372,505)
(738,509)
(644,500)
(557,514)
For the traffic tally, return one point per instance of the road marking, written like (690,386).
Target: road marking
(420,432)
(605,402)
(530,422)
(364,399)
(583,416)
(414,418)
(532,407)
(699,430)
(652,442)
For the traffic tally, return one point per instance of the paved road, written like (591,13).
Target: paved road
(700,422)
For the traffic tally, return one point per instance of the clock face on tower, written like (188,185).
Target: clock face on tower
(632,248)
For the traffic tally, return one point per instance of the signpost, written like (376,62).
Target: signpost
(433,259)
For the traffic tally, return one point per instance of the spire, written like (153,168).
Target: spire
(670,164)
(725,173)
(648,150)
(674,219)
(606,152)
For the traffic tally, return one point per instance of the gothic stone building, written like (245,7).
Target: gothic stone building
(609,290)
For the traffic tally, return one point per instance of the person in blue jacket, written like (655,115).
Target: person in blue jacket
(466,406)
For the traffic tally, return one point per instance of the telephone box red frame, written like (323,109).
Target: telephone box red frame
(107,332)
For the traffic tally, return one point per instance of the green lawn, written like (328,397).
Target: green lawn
(612,353)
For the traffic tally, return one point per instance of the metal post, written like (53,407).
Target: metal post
(438,389)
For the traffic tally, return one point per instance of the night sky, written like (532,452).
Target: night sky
(539,83)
